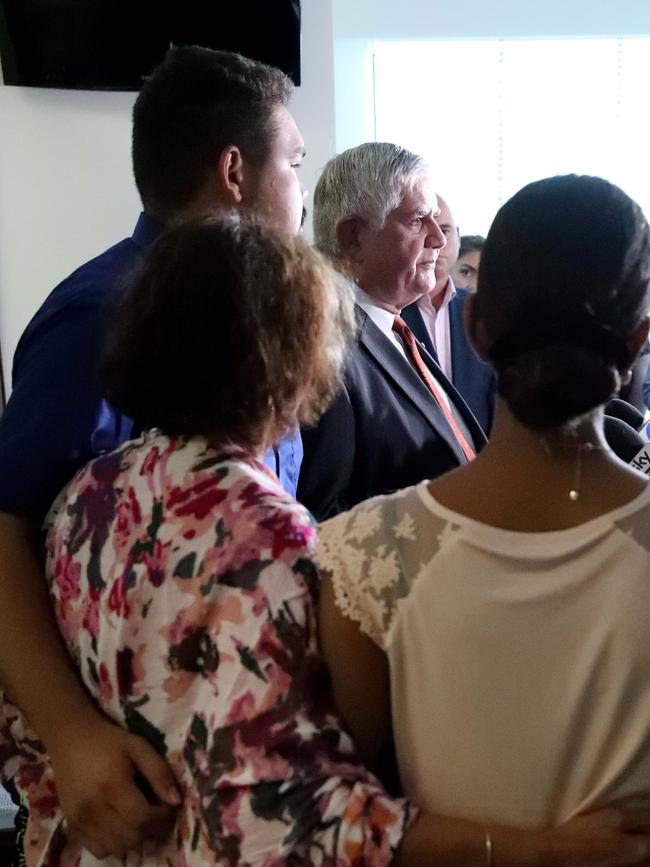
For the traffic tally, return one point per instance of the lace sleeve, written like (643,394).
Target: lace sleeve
(356,551)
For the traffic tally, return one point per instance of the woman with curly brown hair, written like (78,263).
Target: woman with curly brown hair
(184,582)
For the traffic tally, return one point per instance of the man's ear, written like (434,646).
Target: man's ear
(474,327)
(348,238)
(230,175)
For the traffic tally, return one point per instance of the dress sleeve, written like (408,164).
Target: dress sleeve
(361,824)
(358,555)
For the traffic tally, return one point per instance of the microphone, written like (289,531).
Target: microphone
(626,412)
(642,460)
(626,444)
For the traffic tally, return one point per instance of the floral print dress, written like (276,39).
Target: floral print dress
(184,586)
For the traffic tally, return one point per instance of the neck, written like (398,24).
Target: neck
(378,301)
(512,438)
(437,294)
(204,205)
(543,481)
(385,305)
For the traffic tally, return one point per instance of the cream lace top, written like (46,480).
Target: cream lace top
(519,662)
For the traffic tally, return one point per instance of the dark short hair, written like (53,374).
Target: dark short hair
(470,244)
(563,283)
(229,331)
(195,104)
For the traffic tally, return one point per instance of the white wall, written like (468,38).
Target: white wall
(313,102)
(66,190)
(489,19)
(358,22)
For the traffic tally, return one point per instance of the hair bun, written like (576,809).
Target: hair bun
(547,387)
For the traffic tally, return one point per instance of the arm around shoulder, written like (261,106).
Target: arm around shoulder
(359,674)
(94,761)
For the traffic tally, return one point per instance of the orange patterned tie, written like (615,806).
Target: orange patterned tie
(401,328)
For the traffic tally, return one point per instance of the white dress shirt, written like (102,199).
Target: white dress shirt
(437,325)
(383,319)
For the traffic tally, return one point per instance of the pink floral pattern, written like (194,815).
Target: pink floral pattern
(184,584)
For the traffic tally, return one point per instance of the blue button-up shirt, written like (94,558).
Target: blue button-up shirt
(55,420)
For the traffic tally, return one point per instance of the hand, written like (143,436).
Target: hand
(611,837)
(106,810)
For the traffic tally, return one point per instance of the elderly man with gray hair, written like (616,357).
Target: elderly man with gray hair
(398,419)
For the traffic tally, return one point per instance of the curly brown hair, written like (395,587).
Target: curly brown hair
(229,331)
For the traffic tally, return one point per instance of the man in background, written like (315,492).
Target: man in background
(398,419)
(436,319)
(211,132)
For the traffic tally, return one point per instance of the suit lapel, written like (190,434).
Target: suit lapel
(458,339)
(402,375)
(461,405)
(415,321)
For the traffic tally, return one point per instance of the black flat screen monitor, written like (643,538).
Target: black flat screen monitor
(114,44)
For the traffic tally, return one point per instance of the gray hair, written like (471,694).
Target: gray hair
(367,181)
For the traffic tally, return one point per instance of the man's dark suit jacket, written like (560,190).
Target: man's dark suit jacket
(474,379)
(383,432)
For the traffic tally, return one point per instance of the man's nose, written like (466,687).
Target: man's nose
(435,236)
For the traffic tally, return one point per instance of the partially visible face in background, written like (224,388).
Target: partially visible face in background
(465,272)
(448,256)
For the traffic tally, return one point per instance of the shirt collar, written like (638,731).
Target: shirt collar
(448,294)
(146,231)
(383,319)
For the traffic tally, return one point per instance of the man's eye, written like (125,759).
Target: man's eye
(296,165)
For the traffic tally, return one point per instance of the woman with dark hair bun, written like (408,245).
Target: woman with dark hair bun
(563,301)
(499,616)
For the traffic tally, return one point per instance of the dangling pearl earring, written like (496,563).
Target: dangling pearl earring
(574,493)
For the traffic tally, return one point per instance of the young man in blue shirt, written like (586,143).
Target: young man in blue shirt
(211,131)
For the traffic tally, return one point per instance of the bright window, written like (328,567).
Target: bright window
(490,116)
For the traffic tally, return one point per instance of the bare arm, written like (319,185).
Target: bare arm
(35,669)
(612,837)
(359,673)
(94,761)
